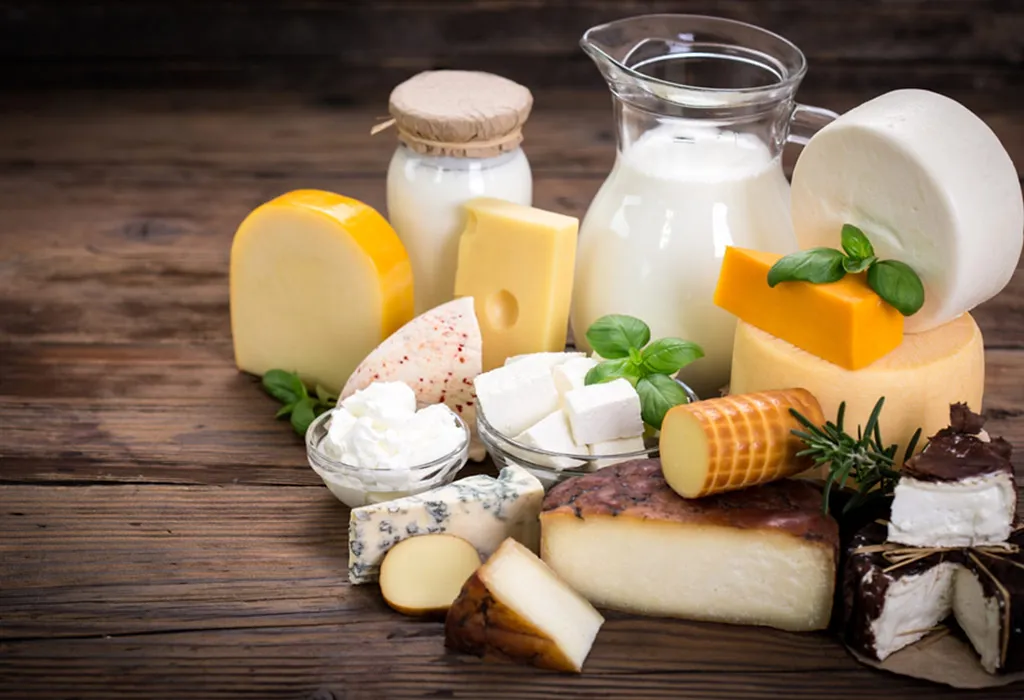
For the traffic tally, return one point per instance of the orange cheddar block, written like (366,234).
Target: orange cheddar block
(842,322)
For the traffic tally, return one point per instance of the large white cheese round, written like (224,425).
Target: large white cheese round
(930,185)
(919,379)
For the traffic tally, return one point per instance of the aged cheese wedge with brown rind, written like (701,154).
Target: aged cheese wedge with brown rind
(761,556)
(515,608)
(423,575)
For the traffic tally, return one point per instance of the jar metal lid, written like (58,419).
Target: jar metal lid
(466,114)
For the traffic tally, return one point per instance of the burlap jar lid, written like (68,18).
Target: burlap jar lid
(466,114)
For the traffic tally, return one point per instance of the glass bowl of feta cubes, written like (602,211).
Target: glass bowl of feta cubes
(374,449)
(536,412)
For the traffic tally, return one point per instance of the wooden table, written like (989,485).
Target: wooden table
(162,536)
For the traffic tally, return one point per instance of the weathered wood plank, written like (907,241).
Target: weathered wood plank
(261,138)
(155,591)
(361,48)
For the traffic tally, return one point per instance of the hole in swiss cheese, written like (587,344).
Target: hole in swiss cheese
(502,309)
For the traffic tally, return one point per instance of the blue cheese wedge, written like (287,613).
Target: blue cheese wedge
(480,509)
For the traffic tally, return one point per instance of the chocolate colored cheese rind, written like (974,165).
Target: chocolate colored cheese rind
(867,577)
(1002,579)
(637,489)
(956,453)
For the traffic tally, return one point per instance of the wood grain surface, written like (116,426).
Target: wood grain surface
(162,536)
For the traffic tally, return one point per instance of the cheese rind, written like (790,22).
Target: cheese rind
(515,608)
(919,380)
(930,185)
(763,556)
(518,262)
(480,509)
(298,264)
(844,322)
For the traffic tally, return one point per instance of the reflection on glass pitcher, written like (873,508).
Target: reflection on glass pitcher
(704,107)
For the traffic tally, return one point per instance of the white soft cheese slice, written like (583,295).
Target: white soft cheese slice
(913,606)
(516,396)
(974,511)
(930,185)
(480,509)
(980,617)
(602,412)
(552,433)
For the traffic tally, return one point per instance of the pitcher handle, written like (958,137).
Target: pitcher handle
(806,121)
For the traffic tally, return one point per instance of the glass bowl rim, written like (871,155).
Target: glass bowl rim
(320,460)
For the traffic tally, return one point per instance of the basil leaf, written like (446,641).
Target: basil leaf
(658,393)
(623,368)
(324,395)
(284,386)
(897,284)
(284,410)
(855,265)
(612,336)
(669,355)
(817,265)
(302,415)
(856,244)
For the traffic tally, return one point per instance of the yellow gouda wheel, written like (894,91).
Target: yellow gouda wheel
(919,379)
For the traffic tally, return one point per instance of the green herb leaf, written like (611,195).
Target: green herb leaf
(817,265)
(612,336)
(284,410)
(856,244)
(284,386)
(669,355)
(302,415)
(623,368)
(854,265)
(898,285)
(658,393)
(324,395)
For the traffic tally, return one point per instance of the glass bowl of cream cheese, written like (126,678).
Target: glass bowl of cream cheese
(376,446)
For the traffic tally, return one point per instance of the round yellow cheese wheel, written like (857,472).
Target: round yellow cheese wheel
(919,379)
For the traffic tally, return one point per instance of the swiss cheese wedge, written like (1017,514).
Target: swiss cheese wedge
(317,281)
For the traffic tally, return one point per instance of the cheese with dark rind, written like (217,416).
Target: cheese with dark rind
(507,609)
(764,555)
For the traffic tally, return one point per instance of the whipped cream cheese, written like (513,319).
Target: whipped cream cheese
(380,428)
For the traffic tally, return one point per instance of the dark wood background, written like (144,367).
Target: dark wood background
(358,50)
(160,535)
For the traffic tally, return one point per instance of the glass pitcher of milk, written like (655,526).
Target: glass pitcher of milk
(704,107)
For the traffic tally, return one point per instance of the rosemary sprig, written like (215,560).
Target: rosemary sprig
(865,459)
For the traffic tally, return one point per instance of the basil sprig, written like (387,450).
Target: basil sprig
(624,342)
(302,408)
(895,282)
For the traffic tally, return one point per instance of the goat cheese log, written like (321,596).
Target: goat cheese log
(626,541)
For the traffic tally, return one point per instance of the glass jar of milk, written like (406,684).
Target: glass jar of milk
(704,107)
(459,138)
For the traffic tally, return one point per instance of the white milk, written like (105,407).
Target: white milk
(652,242)
(425,197)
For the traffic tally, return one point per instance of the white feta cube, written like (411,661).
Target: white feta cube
(972,511)
(516,396)
(572,374)
(602,412)
(620,446)
(552,433)
(549,359)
